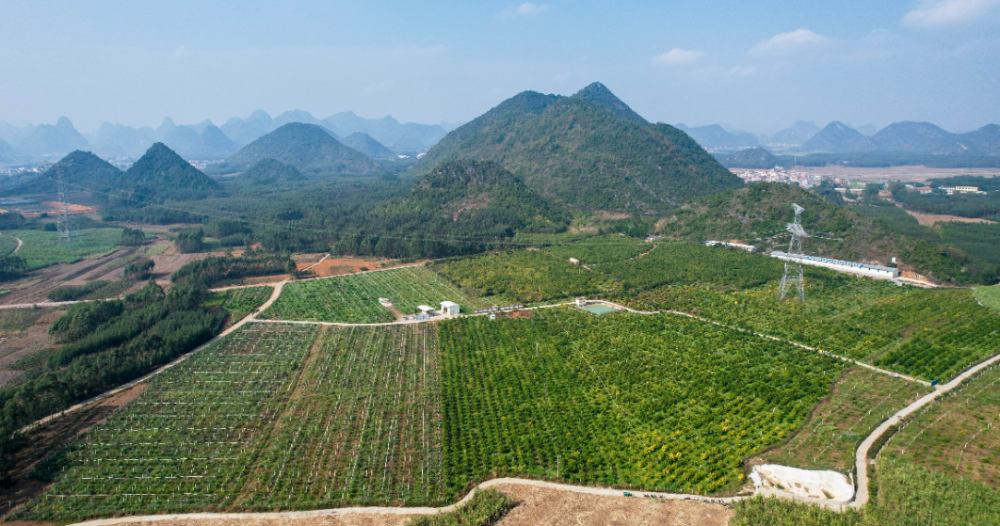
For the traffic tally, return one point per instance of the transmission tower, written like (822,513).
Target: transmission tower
(793,271)
(66,222)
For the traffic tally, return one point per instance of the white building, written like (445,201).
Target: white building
(574,261)
(581,302)
(865,269)
(450,308)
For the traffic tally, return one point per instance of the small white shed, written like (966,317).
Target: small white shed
(450,308)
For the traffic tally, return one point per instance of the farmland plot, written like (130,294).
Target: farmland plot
(190,441)
(363,428)
(354,298)
(655,402)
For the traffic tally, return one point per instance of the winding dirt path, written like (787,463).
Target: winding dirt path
(861,461)
(249,318)
(19,243)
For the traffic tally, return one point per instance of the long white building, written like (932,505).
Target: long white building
(865,269)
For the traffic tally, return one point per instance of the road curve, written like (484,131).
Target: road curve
(604,492)
(19,243)
(250,317)
(861,460)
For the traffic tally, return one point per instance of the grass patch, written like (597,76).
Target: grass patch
(17,320)
(239,302)
(42,248)
(7,244)
(989,296)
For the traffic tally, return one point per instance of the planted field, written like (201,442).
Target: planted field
(931,334)
(363,428)
(958,435)
(190,441)
(861,400)
(601,249)
(675,263)
(658,402)
(42,248)
(354,298)
(526,276)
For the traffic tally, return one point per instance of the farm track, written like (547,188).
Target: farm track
(861,460)
(250,317)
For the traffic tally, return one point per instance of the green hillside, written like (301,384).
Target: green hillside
(307,147)
(79,171)
(460,207)
(270,171)
(161,173)
(579,152)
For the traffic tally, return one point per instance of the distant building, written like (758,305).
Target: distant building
(574,261)
(865,269)
(581,302)
(731,244)
(450,308)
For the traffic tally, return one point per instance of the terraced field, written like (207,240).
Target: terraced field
(354,298)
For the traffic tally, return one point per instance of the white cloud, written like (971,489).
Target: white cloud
(677,57)
(935,13)
(526,9)
(800,38)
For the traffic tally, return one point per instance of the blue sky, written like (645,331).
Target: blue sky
(752,65)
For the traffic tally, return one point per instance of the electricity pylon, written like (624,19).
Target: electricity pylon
(793,271)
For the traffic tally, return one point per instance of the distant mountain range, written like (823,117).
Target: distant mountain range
(587,151)
(920,138)
(715,139)
(386,137)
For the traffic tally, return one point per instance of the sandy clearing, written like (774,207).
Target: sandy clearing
(930,219)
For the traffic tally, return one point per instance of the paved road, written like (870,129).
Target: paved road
(250,317)
(861,461)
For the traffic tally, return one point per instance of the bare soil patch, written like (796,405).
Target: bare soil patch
(930,219)
(36,287)
(339,266)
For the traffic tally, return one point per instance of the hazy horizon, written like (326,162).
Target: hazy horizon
(753,67)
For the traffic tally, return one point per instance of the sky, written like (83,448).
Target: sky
(756,66)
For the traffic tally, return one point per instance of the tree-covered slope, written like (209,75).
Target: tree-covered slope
(78,171)
(460,207)
(837,137)
(307,147)
(270,171)
(749,158)
(758,214)
(365,144)
(578,152)
(161,173)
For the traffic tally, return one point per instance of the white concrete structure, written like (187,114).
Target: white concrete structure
(574,261)
(581,302)
(823,485)
(865,269)
(731,244)
(450,308)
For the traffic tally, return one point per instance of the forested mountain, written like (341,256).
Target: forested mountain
(294,116)
(307,147)
(600,94)
(749,158)
(457,208)
(161,173)
(54,140)
(118,140)
(837,137)
(714,138)
(797,134)
(578,152)
(365,144)
(270,171)
(79,171)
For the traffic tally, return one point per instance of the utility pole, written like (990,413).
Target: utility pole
(793,271)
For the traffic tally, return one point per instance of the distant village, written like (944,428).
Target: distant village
(778,175)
